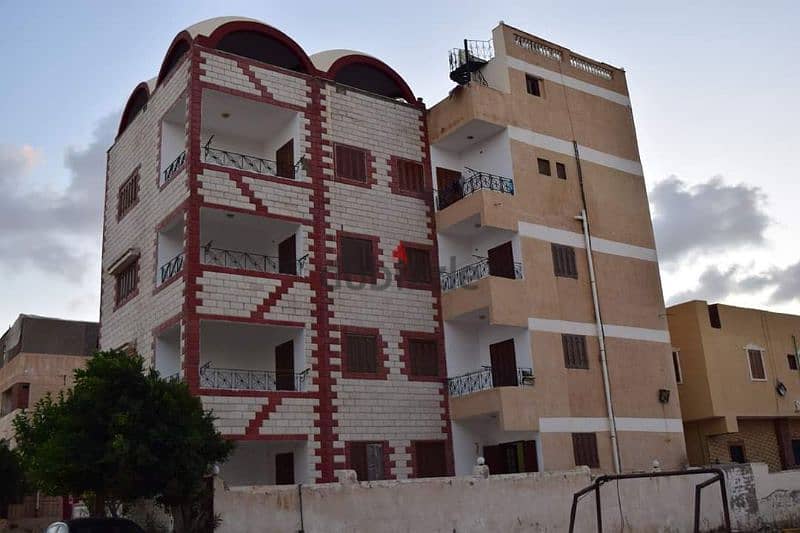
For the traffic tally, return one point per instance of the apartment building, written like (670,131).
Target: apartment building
(272,237)
(556,338)
(268,239)
(38,355)
(739,384)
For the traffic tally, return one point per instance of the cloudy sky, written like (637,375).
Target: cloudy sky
(714,87)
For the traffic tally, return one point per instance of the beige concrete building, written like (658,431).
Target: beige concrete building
(39,355)
(738,382)
(556,338)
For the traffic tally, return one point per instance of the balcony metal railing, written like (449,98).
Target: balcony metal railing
(482,380)
(473,180)
(249,163)
(173,168)
(170,269)
(470,274)
(252,380)
(469,59)
(247,260)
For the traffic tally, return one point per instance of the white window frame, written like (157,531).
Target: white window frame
(761,351)
(676,356)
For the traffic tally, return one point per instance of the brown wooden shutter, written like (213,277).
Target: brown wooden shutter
(284,366)
(418,265)
(584,446)
(350,163)
(357,256)
(284,160)
(544,166)
(424,357)
(756,364)
(501,261)
(431,459)
(564,264)
(574,347)
(495,459)
(504,364)
(411,176)
(358,459)
(529,456)
(561,171)
(362,353)
(284,468)
(287,256)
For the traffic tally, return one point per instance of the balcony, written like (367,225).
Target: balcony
(169,251)
(173,142)
(484,379)
(469,274)
(471,182)
(512,408)
(251,380)
(251,243)
(250,136)
(170,269)
(252,357)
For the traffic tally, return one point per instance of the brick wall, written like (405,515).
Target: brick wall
(759,440)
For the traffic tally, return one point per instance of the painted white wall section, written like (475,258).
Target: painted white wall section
(569,238)
(586,424)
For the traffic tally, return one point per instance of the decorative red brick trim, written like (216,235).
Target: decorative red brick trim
(387,450)
(405,356)
(295,436)
(394,179)
(448,454)
(280,291)
(249,320)
(358,278)
(262,177)
(261,209)
(127,115)
(380,352)
(401,267)
(369,159)
(262,414)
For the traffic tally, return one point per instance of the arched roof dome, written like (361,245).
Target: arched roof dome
(208,26)
(362,71)
(323,60)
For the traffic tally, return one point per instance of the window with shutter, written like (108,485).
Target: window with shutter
(430,458)
(792,358)
(737,453)
(410,176)
(561,171)
(544,166)
(356,256)
(756,365)
(127,282)
(350,163)
(128,195)
(424,357)
(533,85)
(417,268)
(564,264)
(575,351)
(584,446)
(366,458)
(361,353)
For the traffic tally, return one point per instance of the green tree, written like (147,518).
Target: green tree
(12,488)
(121,434)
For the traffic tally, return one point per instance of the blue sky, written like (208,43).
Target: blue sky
(713,86)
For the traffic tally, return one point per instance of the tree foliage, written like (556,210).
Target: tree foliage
(121,433)
(12,487)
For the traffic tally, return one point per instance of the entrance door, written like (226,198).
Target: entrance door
(504,364)
(284,468)
(287,256)
(284,160)
(284,366)
(495,459)
(501,261)
(511,457)
(447,184)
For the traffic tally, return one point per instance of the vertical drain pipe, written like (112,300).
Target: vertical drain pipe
(584,218)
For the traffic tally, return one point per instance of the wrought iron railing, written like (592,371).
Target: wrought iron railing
(253,380)
(247,260)
(249,163)
(173,168)
(170,269)
(482,380)
(473,51)
(473,180)
(470,274)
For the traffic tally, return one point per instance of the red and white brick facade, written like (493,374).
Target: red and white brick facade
(333,408)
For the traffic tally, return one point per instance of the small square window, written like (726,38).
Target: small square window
(792,358)
(411,176)
(128,195)
(366,458)
(533,85)
(737,453)
(361,353)
(544,166)
(564,261)
(584,446)
(561,171)
(417,268)
(350,163)
(357,256)
(127,282)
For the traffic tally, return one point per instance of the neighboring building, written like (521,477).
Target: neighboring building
(738,379)
(39,355)
(536,135)
(270,236)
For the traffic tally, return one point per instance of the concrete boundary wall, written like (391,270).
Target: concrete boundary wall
(513,503)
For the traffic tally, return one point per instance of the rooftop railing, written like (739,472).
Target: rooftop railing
(472,181)
(482,380)
(472,273)
(251,380)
